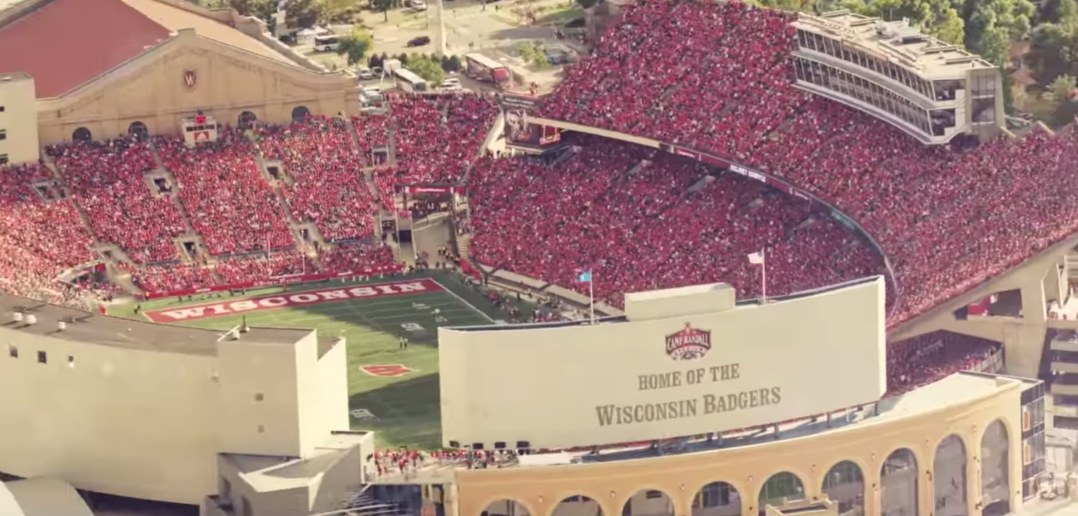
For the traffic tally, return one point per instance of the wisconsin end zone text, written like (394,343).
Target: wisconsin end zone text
(309,297)
(707,405)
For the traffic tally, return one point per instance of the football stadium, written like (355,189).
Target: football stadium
(739,261)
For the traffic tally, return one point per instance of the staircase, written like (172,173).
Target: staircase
(464,246)
(176,195)
(67,194)
(1070,262)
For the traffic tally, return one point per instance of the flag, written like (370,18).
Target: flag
(585,277)
(756,258)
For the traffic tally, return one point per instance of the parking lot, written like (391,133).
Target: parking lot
(496,30)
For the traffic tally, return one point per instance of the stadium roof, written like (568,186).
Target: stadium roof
(92,328)
(894,41)
(63,44)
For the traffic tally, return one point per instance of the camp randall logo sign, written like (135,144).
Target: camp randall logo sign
(688,344)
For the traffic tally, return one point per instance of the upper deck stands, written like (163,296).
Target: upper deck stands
(896,42)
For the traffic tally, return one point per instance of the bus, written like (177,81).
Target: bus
(408,81)
(326,43)
(483,68)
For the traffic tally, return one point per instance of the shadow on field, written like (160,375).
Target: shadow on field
(408,412)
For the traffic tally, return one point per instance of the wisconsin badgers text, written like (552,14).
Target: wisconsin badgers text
(309,297)
(707,404)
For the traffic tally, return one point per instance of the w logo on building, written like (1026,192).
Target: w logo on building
(190,78)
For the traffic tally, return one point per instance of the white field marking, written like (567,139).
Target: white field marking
(461,299)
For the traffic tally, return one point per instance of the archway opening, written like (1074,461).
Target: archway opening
(845,485)
(577,506)
(82,134)
(717,499)
(995,459)
(648,502)
(138,130)
(779,489)
(247,120)
(898,484)
(949,477)
(505,508)
(300,113)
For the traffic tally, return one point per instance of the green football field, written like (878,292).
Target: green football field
(403,399)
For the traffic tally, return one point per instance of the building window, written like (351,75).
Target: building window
(3,159)
(259,397)
(261,429)
(42,358)
(13,351)
(1,109)
(3,134)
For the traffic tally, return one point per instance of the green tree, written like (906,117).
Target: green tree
(1060,89)
(355,46)
(582,3)
(302,13)
(427,68)
(984,16)
(454,64)
(936,17)
(375,61)
(261,9)
(382,6)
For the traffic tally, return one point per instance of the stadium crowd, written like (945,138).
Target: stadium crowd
(225,197)
(327,182)
(107,179)
(632,219)
(717,77)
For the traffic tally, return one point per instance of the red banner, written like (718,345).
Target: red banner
(274,282)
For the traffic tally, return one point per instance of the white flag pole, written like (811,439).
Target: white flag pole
(591,294)
(763,274)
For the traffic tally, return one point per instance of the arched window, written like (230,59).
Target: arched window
(300,113)
(82,134)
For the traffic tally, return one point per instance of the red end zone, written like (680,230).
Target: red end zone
(285,300)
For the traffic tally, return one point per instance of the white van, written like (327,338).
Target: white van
(326,43)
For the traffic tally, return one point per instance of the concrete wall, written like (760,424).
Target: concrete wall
(263,392)
(151,89)
(18,119)
(611,484)
(619,382)
(129,422)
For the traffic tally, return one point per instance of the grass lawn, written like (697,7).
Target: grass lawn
(406,405)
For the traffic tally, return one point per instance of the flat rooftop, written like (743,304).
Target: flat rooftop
(92,328)
(894,41)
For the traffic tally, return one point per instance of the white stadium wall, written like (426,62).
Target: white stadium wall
(580,385)
(95,415)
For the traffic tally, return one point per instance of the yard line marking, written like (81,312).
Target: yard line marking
(461,299)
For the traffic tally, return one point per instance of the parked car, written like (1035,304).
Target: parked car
(419,41)
(451,82)
(365,74)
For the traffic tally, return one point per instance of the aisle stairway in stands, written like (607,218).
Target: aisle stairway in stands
(61,183)
(201,254)
(295,228)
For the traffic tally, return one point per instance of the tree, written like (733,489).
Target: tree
(355,46)
(260,9)
(427,68)
(302,13)
(454,64)
(375,61)
(1060,89)
(938,18)
(382,6)
(583,3)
